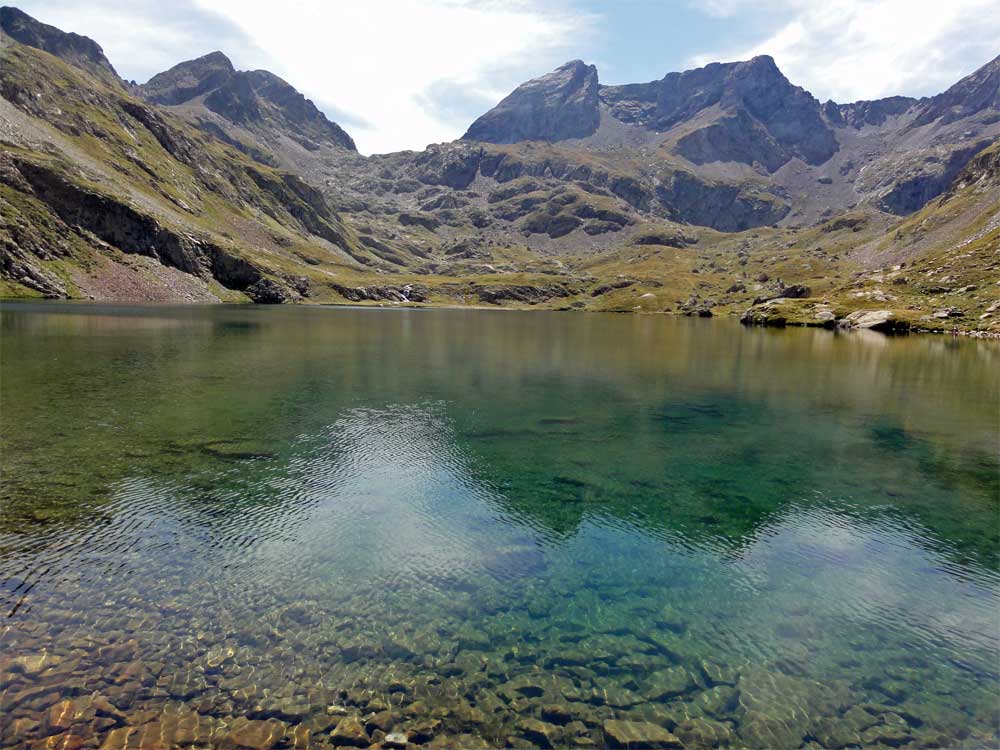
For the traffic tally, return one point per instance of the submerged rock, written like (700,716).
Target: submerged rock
(539,732)
(256,735)
(701,734)
(638,735)
(349,731)
(780,710)
(667,683)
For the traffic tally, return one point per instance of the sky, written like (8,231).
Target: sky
(400,74)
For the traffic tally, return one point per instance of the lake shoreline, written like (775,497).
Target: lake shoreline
(967,332)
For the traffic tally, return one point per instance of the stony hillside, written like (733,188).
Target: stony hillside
(710,191)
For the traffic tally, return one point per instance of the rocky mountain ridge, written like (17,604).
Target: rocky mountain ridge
(697,192)
(255,99)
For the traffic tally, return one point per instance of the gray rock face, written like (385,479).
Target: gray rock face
(79,51)
(875,112)
(772,119)
(974,93)
(725,207)
(912,192)
(255,99)
(562,104)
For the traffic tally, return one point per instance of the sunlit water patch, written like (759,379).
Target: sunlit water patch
(267,528)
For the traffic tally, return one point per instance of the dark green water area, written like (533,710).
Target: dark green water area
(261,528)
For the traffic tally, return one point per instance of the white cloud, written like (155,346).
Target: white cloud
(397,73)
(380,59)
(144,37)
(865,49)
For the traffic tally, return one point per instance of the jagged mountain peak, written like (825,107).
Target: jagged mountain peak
(255,99)
(75,49)
(188,79)
(556,106)
(763,117)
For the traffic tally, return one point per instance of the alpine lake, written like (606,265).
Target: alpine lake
(303,527)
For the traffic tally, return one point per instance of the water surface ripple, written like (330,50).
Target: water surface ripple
(276,528)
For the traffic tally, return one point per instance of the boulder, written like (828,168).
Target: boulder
(875,320)
(764,315)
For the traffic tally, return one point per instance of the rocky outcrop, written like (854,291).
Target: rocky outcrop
(722,206)
(406,293)
(124,227)
(780,291)
(885,321)
(562,104)
(934,176)
(79,51)
(531,295)
(303,202)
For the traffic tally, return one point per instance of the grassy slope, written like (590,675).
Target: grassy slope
(102,140)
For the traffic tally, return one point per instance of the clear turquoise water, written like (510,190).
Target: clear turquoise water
(471,519)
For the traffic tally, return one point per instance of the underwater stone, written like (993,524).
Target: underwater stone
(670,619)
(216,657)
(717,700)
(64,741)
(886,734)
(395,740)
(34,664)
(66,713)
(858,718)
(701,734)
(423,731)
(780,709)
(557,713)
(667,683)
(718,674)
(300,736)
(638,735)
(541,733)
(254,734)
(836,733)
(349,732)
(384,720)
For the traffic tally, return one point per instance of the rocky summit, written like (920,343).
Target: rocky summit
(563,104)
(705,192)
